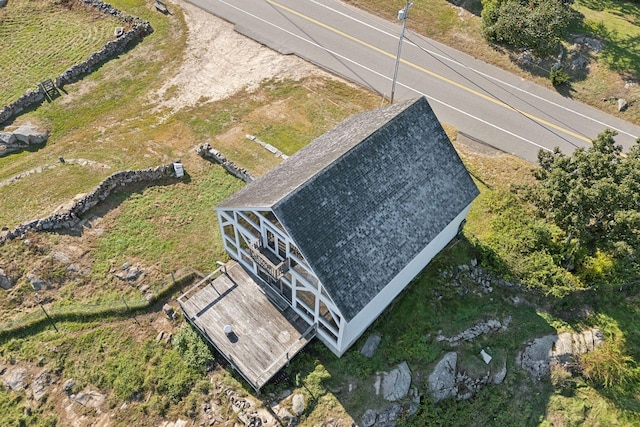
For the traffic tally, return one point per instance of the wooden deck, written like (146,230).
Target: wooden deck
(263,339)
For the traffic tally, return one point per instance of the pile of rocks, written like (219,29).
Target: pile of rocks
(470,334)
(208,153)
(30,98)
(112,48)
(450,380)
(49,166)
(69,217)
(471,277)
(395,386)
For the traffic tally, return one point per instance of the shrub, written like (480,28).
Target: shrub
(558,77)
(192,348)
(608,365)
(538,25)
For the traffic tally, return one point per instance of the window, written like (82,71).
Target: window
(327,316)
(307,298)
(271,240)
(246,224)
(229,231)
(282,249)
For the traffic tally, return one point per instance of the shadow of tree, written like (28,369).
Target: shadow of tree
(628,10)
(472,6)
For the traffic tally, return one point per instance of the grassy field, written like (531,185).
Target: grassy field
(33,51)
(168,227)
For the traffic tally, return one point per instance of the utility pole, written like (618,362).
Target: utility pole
(403,14)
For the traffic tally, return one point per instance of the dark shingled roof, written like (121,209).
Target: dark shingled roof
(362,200)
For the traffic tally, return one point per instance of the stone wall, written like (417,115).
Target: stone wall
(70,217)
(207,152)
(139,29)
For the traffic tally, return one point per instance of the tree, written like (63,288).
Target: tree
(593,195)
(538,25)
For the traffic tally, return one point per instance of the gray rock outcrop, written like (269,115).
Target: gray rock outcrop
(14,379)
(369,347)
(499,376)
(396,383)
(461,377)
(21,137)
(543,353)
(622,104)
(442,381)
(40,384)
(580,63)
(591,43)
(35,281)
(68,385)
(298,404)
(369,418)
(90,398)
(5,281)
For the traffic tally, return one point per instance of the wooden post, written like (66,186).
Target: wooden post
(46,314)
(129,309)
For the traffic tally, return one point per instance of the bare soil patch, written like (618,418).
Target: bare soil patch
(219,62)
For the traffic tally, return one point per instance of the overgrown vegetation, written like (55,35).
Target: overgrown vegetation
(593,196)
(539,25)
(558,76)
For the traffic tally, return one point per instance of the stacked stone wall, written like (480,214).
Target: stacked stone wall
(139,29)
(71,217)
(207,152)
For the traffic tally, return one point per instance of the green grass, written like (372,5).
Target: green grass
(16,411)
(28,199)
(172,226)
(618,24)
(42,39)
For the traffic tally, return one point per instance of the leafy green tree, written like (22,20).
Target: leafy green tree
(538,25)
(593,195)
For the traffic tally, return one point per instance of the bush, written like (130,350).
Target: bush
(527,247)
(558,77)
(538,25)
(608,365)
(192,348)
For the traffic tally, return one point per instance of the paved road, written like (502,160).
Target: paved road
(483,102)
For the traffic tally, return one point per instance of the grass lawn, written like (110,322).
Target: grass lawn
(33,50)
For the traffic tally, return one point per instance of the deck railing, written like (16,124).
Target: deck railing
(287,355)
(205,281)
(275,271)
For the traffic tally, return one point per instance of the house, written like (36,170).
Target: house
(338,230)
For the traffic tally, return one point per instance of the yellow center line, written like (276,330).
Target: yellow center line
(426,71)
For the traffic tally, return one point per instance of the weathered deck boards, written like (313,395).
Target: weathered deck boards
(263,339)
